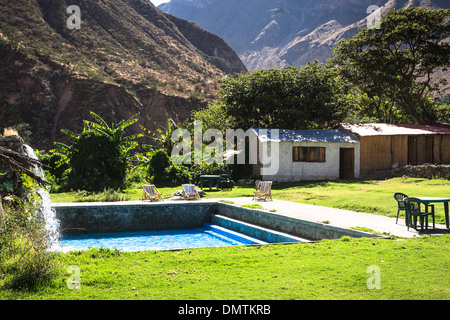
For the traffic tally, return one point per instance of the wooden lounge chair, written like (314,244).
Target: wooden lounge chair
(190,192)
(263,191)
(151,193)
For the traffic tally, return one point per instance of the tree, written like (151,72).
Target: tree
(397,60)
(99,156)
(288,98)
(214,116)
(443,109)
(367,108)
(115,132)
(163,135)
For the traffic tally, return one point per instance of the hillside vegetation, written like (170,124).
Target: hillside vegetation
(128,57)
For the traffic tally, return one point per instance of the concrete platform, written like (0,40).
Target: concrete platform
(333,217)
(340,218)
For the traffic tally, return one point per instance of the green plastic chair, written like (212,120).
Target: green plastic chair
(399,197)
(413,210)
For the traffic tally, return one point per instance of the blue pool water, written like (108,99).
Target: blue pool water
(208,236)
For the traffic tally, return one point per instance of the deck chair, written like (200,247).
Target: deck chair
(190,192)
(149,192)
(263,191)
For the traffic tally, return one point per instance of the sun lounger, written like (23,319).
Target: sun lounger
(151,193)
(190,192)
(263,191)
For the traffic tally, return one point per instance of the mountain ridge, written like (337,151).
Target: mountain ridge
(278,33)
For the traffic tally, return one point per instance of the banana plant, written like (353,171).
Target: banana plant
(114,132)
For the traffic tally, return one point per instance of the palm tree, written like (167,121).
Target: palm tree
(115,132)
(163,135)
(99,156)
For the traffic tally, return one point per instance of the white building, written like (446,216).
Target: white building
(307,154)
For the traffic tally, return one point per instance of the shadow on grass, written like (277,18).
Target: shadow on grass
(321,183)
(299,184)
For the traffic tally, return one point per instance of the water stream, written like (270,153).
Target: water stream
(49,214)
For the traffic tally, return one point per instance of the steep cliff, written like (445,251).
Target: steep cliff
(127,58)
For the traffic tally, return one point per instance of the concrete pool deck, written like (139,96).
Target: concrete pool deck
(325,215)
(342,218)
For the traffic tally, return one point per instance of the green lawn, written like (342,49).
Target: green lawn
(369,196)
(329,270)
(416,268)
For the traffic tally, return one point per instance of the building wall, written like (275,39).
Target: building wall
(382,152)
(290,171)
(441,150)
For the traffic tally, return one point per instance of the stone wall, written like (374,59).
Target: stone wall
(86,218)
(428,171)
(12,142)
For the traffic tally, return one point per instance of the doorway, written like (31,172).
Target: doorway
(347,163)
(412,150)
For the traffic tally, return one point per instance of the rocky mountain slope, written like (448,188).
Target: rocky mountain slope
(126,58)
(277,33)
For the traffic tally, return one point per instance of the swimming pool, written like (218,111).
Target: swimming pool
(207,236)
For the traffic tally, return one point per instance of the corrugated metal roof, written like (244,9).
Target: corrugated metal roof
(383,129)
(331,135)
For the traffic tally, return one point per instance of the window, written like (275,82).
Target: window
(308,154)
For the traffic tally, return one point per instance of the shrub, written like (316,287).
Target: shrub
(163,172)
(137,171)
(107,195)
(25,261)
(159,162)
(56,166)
(97,163)
(98,157)
(203,169)
(178,175)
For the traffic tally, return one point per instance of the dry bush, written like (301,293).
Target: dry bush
(10,132)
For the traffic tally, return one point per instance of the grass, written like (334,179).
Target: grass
(371,196)
(327,270)
(252,206)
